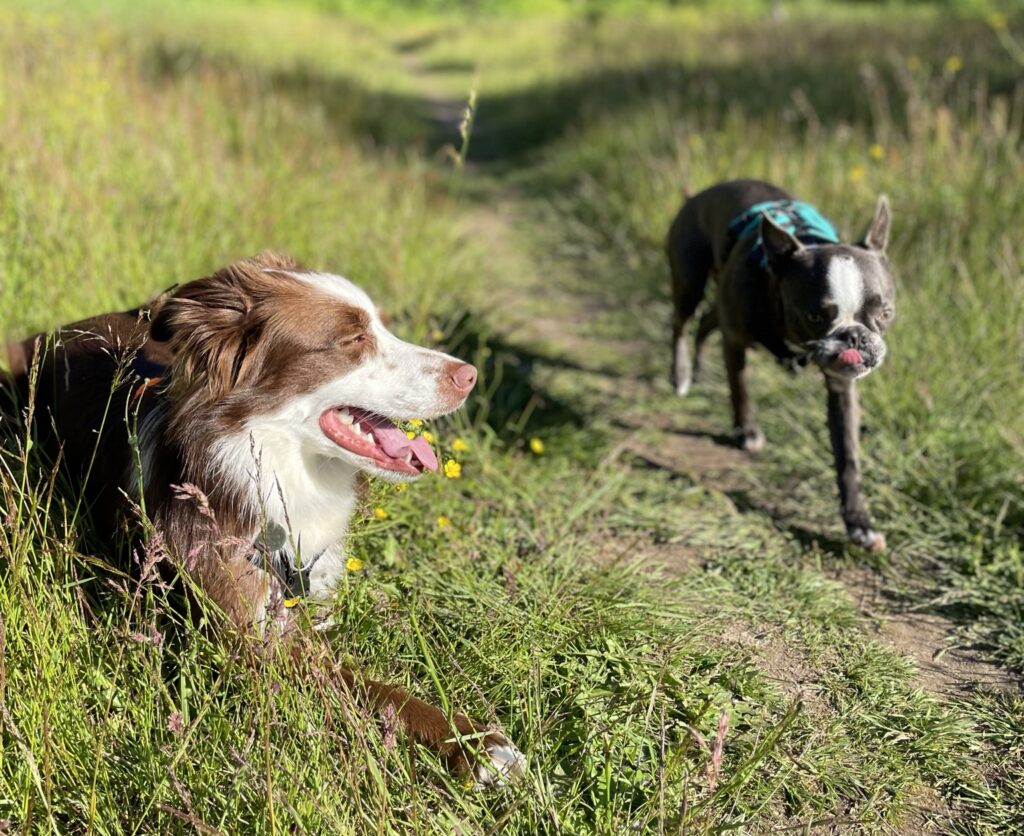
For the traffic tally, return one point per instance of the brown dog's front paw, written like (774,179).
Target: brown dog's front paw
(500,763)
(485,756)
(867,538)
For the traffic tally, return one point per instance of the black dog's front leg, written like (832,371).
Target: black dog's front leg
(844,427)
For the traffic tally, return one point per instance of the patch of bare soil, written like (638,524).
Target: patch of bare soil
(613,547)
(702,457)
(929,814)
(782,664)
(946,667)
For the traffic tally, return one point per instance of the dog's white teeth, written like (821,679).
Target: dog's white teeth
(370,438)
(346,416)
(407,458)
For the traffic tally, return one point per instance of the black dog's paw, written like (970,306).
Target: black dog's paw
(750,439)
(867,538)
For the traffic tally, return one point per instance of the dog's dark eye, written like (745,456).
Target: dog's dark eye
(885,314)
(823,315)
(334,343)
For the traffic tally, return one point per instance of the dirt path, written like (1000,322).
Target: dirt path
(555,322)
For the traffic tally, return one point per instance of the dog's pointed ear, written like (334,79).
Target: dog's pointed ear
(210,325)
(778,243)
(877,235)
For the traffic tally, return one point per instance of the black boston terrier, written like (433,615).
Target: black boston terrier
(785,281)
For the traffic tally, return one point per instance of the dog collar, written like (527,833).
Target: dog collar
(270,551)
(802,220)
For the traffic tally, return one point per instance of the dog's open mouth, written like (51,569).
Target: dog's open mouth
(377,438)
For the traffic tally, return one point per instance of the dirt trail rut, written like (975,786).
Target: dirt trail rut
(503,224)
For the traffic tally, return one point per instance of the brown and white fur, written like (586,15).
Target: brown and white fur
(252,367)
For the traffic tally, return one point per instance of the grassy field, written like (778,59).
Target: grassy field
(675,634)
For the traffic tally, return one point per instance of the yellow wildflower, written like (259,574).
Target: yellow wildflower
(459,446)
(443,521)
(537,446)
(401,486)
(428,436)
(416,422)
(380,513)
(410,434)
(437,335)
(953,64)
(876,152)
(354,564)
(452,469)
(857,174)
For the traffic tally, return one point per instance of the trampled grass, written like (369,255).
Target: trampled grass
(620,609)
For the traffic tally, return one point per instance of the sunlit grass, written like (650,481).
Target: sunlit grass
(143,148)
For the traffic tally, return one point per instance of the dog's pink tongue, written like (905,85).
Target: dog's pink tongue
(850,357)
(396,444)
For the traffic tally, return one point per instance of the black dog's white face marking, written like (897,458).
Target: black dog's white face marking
(845,288)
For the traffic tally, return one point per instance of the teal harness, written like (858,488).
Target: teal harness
(800,219)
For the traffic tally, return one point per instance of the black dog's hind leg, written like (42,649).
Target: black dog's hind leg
(690,260)
(747,433)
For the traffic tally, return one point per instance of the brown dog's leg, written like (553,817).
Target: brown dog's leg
(251,601)
(466,747)
(747,433)
(844,429)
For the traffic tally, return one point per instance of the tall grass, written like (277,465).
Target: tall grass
(141,149)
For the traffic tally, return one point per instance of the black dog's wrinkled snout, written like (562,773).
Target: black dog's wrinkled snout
(856,336)
(868,344)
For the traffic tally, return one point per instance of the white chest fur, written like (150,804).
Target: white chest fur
(311,497)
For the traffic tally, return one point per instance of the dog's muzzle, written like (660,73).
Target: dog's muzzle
(851,352)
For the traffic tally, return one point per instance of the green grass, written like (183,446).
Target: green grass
(606,613)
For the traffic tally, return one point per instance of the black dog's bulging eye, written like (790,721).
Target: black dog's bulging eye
(822,316)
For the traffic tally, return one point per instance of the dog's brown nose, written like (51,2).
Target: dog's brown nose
(464,377)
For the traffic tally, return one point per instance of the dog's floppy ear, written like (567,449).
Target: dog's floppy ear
(877,236)
(211,325)
(778,244)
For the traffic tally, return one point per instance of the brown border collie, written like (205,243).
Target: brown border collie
(260,397)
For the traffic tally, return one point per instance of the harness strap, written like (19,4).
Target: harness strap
(802,220)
